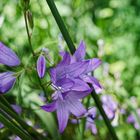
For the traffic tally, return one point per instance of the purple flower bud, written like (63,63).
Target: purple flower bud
(1,125)
(17,108)
(41,66)
(7,56)
(7,80)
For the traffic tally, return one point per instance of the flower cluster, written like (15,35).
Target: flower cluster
(9,58)
(72,82)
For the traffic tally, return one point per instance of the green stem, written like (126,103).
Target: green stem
(72,49)
(107,122)
(14,123)
(33,53)
(61,25)
(9,123)
(4,105)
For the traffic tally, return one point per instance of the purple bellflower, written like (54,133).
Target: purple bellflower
(109,105)
(78,57)
(69,90)
(90,120)
(41,66)
(68,78)
(65,104)
(7,80)
(7,56)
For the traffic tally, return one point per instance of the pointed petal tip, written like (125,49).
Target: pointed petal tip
(7,81)
(8,56)
(49,107)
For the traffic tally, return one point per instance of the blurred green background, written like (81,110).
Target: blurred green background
(111,30)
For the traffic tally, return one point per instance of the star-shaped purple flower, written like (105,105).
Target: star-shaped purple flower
(84,70)
(65,104)
(70,80)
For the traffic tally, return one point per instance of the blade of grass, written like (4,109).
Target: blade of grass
(9,123)
(7,108)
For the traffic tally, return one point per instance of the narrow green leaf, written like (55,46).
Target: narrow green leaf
(9,123)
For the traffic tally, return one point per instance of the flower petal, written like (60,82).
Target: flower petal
(108,112)
(93,64)
(76,69)
(62,115)
(49,107)
(80,52)
(65,83)
(53,75)
(41,66)
(76,94)
(93,81)
(7,81)
(1,125)
(80,85)
(75,107)
(66,59)
(17,108)
(7,56)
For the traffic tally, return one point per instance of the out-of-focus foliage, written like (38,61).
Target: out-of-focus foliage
(111,30)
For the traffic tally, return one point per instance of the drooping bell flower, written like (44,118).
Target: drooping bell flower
(7,56)
(41,66)
(7,80)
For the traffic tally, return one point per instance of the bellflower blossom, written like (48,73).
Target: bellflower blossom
(94,63)
(7,80)
(109,105)
(41,66)
(68,80)
(7,56)
(65,104)
(90,120)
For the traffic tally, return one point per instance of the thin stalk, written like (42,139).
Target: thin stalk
(107,122)
(24,132)
(61,25)
(33,53)
(5,107)
(72,49)
(13,128)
